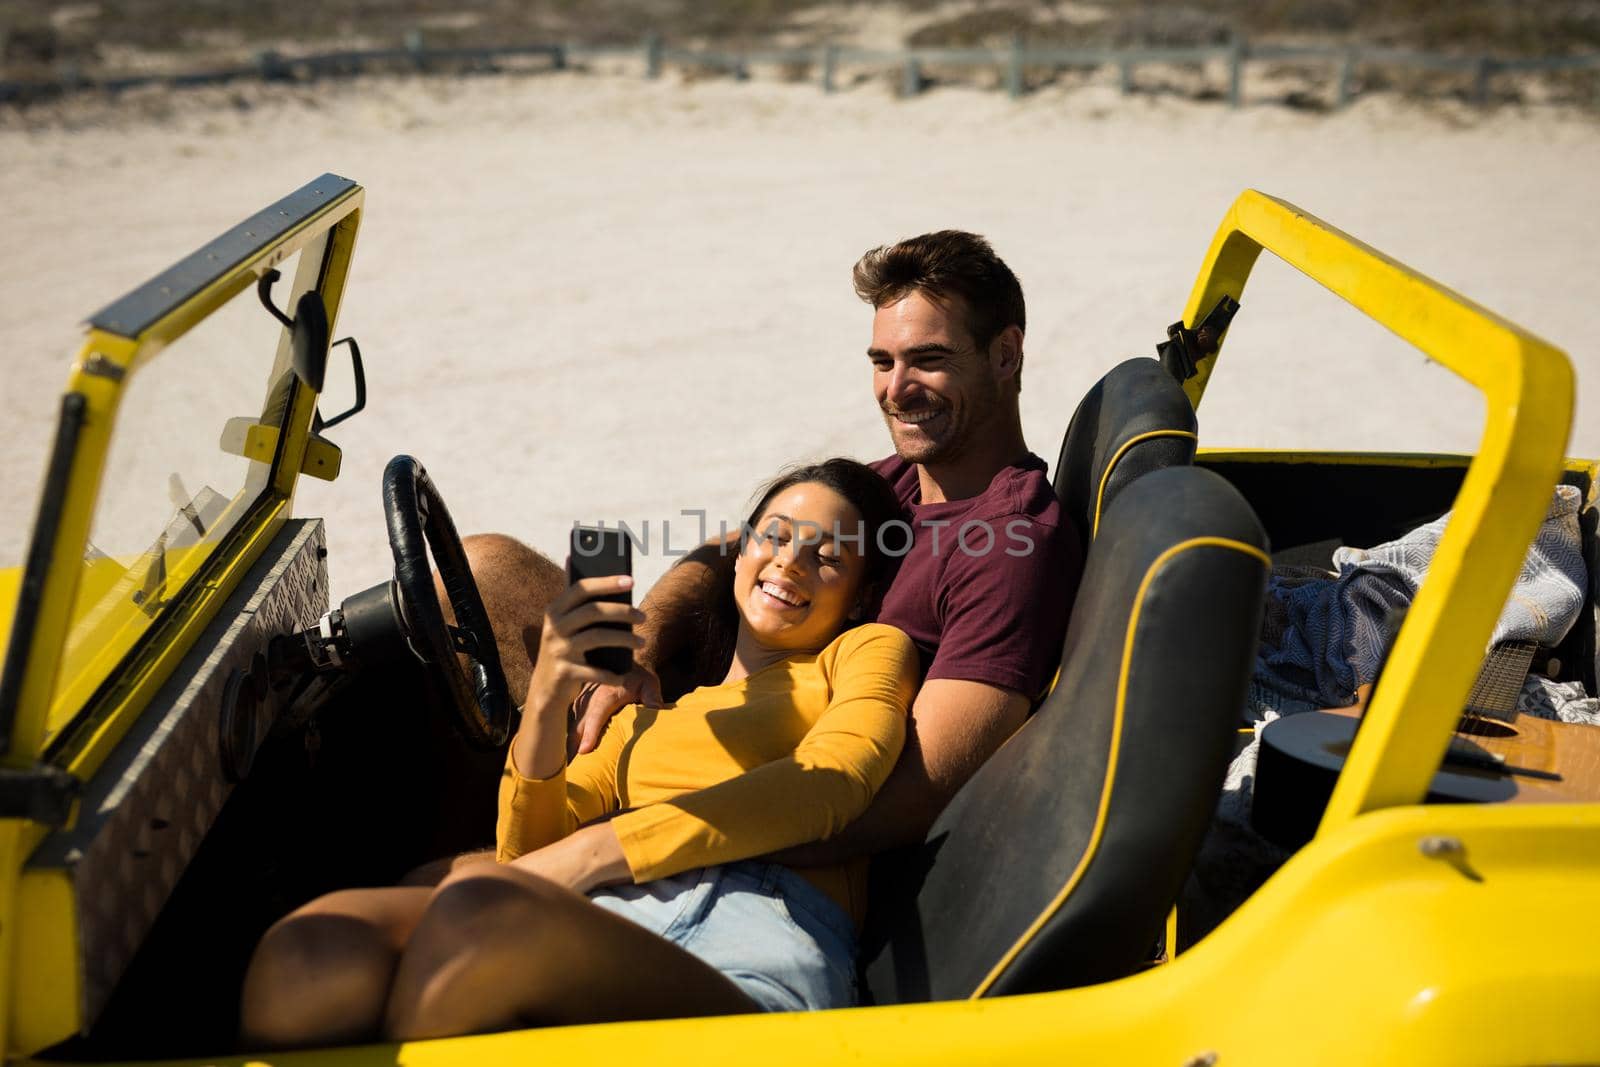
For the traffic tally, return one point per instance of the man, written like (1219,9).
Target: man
(991,564)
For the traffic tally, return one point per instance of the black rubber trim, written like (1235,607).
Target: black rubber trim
(41,794)
(160,296)
(52,502)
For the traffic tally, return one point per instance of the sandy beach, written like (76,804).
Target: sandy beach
(594,297)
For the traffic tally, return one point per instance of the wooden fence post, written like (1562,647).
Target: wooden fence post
(267,65)
(652,55)
(1347,78)
(1014,78)
(70,75)
(1125,74)
(1236,50)
(1480,81)
(830,63)
(911,77)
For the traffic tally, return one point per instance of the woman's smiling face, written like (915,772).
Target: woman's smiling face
(797,579)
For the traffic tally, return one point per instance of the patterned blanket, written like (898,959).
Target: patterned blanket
(1326,636)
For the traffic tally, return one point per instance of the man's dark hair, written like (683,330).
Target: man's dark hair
(941,265)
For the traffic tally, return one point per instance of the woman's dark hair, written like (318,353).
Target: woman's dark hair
(867,492)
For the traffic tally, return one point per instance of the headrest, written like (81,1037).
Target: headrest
(1134,420)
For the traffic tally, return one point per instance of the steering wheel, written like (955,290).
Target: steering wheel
(418,521)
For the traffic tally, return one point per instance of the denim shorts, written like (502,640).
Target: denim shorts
(781,940)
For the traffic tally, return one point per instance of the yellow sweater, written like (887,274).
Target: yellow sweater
(787,756)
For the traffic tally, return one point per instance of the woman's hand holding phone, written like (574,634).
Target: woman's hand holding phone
(576,622)
(579,621)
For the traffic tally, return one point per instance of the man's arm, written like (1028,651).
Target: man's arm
(954,727)
(689,591)
(691,587)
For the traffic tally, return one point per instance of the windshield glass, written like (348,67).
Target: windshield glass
(191,452)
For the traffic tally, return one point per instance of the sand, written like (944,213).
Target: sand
(595,297)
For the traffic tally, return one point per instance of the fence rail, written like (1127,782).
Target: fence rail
(1012,64)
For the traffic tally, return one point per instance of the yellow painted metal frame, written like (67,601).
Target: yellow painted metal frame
(1528,391)
(1364,948)
(1361,950)
(44,1010)
(1421,460)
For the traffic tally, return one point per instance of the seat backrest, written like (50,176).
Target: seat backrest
(1056,864)
(1134,420)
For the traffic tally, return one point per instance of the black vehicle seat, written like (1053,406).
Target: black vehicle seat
(1134,420)
(1057,863)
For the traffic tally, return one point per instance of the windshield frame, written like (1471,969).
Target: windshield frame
(321,220)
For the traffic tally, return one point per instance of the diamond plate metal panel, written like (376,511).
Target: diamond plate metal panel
(144,814)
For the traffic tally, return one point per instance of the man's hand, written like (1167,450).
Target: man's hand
(587,859)
(597,703)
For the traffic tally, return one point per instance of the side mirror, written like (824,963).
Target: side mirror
(309,340)
(308,330)
(361,386)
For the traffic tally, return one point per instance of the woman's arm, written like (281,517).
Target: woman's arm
(574,624)
(583,860)
(537,812)
(808,795)
(538,802)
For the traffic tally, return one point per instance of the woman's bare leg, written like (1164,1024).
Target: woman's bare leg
(499,948)
(321,975)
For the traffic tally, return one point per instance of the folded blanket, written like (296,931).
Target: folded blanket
(1326,637)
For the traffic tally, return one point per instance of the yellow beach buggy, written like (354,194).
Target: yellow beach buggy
(194,743)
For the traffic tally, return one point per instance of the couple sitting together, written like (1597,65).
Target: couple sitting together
(888,627)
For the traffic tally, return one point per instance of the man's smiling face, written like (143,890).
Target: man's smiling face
(936,388)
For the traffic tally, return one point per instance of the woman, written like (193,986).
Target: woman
(625,887)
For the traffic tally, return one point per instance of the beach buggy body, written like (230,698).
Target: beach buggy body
(194,743)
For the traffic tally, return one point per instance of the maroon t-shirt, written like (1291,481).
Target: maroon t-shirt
(986,585)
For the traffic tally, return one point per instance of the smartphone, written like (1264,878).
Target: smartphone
(596,552)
